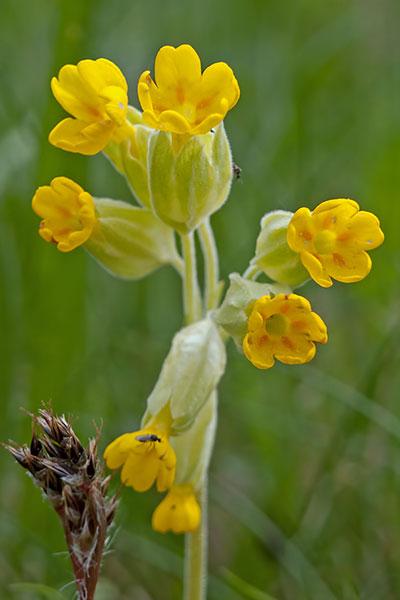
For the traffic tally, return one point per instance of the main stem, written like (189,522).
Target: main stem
(210,253)
(195,582)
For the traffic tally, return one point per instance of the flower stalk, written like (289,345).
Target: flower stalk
(210,252)
(196,550)
(191,290)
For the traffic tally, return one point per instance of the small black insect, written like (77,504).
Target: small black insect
(236,170)
(148,437)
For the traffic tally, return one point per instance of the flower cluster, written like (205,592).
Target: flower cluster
(176,159)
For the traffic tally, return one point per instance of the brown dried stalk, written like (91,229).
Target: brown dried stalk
(71,477)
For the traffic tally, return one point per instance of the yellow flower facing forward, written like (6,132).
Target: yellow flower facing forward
(332,240)
(94,92)
(282,327)
(182,99)
(68,213)
(145,456)
(178,512)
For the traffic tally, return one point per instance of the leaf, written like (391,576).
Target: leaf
(247,590)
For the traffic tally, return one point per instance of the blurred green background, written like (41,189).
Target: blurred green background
(305,479)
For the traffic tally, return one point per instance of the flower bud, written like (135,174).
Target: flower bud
(234,311)
(193,448)
(189,374)
(114,149)
(273,254)
(128,241)
(134,163)
(189,178)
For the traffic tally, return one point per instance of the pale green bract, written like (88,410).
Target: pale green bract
(129,241)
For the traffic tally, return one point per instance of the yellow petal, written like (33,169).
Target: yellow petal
(80,136)
(170,120)
(116,453)
(316,269)
(75,95)
(101,73)
(209,123)
(116,107)
(218,81)
(349,266)
(300,231)
(338,203)
(143,89)
(178,65)
(165,477)
(140,471)
(363,231)
(300,352)
(150,119)
(258,353)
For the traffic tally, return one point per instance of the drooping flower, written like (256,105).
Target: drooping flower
(146,456)
(94,92)
(332,240)
(282,327)
(182,99)
(178,512)
(68,213)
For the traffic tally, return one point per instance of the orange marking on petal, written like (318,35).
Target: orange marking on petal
(338,258)
(262,340)
(284,307)
(180,92)
(306,235)
(344,237)
(302,325)
(286,342)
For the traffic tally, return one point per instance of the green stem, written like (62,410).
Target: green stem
(191,291)
(210,253)
(179,265)
(195,583)
(251,272)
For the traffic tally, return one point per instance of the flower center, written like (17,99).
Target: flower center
(276,325)
(324,242)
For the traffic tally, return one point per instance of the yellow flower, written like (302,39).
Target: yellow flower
(282,327)
(94,92)
(146,456)
(68,213)
(183,100)
(178,512)
(333,239)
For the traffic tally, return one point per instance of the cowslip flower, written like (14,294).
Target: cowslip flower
(94,92)
(332,240)
(67,212)
(178,512)
(145,456)
(282,327)
(182,99)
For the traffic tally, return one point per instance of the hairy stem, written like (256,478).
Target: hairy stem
(251,272)
(210,253)
(191,291)
(195,582)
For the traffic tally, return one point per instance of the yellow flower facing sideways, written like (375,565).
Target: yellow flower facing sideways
(182,99)
(67,212)
(332,240)
(145,456)
(94,92)
(179,512)
(282,327)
